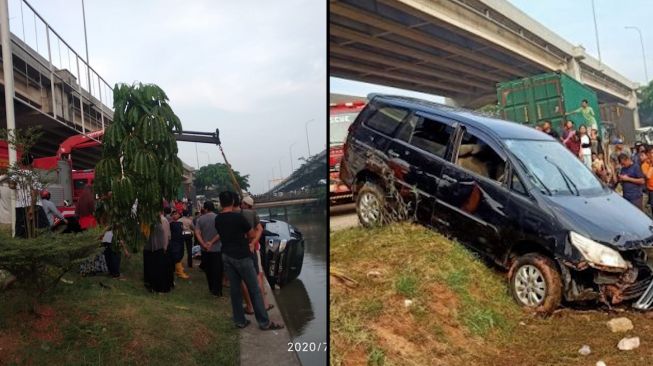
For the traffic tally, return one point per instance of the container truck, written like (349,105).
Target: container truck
(546,97)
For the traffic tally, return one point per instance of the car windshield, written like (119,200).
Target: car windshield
(554,169)
(339,125)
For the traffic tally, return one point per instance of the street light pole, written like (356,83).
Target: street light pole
(280,173)
(292,169)
(208,157)
(306,128)
(596,32)
(641,41)
(88,63)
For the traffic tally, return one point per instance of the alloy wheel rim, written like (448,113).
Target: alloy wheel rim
(369,208)
(530,285)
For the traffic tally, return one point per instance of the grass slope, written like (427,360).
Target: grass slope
(120,325)
(460,308)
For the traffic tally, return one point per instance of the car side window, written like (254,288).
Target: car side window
(386,119)
(432,136)
(476,155)
(407,128)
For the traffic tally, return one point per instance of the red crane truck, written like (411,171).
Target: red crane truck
(341,116)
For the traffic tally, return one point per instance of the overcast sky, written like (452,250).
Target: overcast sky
(573,21)
(254,69)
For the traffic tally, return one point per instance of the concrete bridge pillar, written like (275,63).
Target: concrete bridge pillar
(632,103)
(573,64)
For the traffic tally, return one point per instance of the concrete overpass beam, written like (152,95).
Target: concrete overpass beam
(471,101)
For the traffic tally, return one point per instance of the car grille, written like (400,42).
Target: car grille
(646,300)
(637,288)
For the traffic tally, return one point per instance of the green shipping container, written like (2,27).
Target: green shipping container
(545,97)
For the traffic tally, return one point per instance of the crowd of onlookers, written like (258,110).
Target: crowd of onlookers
(615,164)
(226,240)
(229,241)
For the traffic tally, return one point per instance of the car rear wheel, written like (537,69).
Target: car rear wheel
(370,203)
(535,283)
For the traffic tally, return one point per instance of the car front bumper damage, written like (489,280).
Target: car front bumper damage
(583,283)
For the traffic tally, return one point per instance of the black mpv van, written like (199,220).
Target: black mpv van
(510,192)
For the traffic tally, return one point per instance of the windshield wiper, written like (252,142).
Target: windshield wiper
(566,178)
(528,172)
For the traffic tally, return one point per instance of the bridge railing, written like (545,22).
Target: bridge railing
(61,64)
(286,196)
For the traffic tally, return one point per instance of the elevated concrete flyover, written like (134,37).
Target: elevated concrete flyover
(55,88)
(458,49)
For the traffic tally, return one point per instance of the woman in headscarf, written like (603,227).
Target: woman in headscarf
(157,267)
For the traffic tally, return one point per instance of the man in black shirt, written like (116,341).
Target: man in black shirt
(235,234)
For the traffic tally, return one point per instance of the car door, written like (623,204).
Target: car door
(473,191)
(529,223)
(416,156)
(368,143)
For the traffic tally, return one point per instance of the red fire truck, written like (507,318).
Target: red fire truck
(340,117)
(68,183)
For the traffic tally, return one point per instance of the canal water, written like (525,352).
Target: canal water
(303,302)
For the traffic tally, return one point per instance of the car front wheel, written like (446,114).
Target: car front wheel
(370,205)
(535,283)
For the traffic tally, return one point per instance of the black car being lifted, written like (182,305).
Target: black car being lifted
(508,191)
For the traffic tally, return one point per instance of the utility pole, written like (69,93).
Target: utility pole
(641,41)
(308,145)
(197,157)
(8,70)
(596,32)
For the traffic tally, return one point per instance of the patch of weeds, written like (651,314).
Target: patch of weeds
(372,308)
(480,319)
(457,280)
(419,312)
(350,328)
(406,284)
(437,330)
(376,357)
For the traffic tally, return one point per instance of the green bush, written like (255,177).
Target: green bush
(39,263)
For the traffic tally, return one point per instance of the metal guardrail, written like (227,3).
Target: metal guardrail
(61,64)
(286,196)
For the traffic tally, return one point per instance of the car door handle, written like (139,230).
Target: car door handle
(449,178)
(393,154)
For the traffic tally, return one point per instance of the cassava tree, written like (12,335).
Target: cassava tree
(139,165)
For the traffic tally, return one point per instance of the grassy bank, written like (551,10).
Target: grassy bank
(461,313)
(100,321)
(457,302)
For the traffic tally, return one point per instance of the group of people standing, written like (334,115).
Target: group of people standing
(229,242)
(584,142)
(633,171)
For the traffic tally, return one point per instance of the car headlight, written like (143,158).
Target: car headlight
(597,254)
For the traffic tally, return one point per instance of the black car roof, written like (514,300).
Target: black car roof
(498,128)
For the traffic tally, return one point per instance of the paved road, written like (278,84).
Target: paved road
(342,217)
